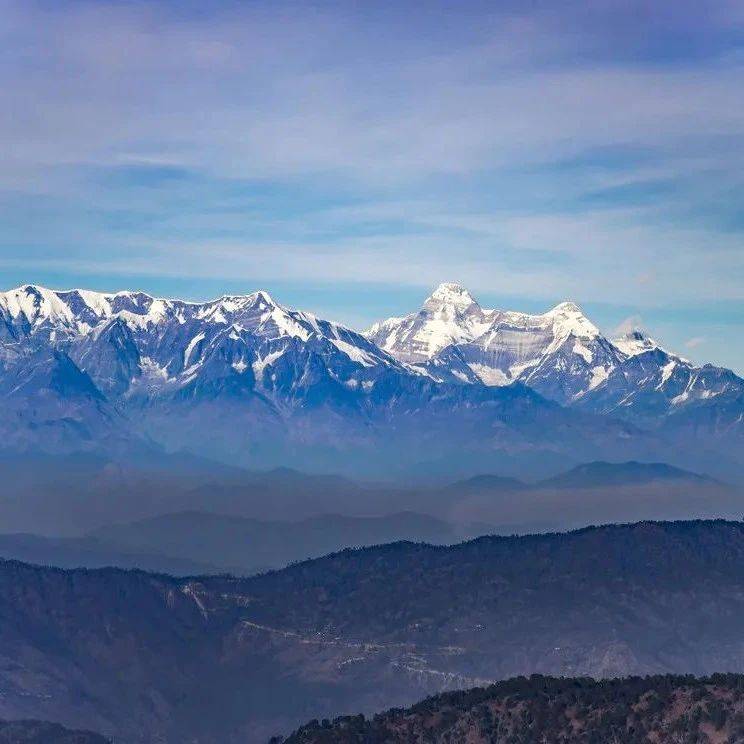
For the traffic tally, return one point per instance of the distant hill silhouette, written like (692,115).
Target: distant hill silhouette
(43,732)
(605,474)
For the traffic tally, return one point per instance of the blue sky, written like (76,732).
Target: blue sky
(350,156)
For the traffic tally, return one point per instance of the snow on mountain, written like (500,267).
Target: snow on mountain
(499,347)
(449,316)
(651,384)
(136,345)
(118,337)
(635,342)
(559,353)
(233,377)
(243,375)
(132,343)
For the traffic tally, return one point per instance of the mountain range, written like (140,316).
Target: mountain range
(356,516)
(561,354)
(458,388)
(257,521)
(147,657)
(188,543)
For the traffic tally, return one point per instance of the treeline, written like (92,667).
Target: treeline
(548,710)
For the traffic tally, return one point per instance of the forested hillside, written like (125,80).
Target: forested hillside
(545,710)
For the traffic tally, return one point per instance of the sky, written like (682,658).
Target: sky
(349,156)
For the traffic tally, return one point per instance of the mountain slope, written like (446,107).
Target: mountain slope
(216,659)
(50,405)
(564,357)
(43,732)
(544,709)
(243,379)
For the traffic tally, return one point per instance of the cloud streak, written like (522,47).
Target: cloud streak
(549,150)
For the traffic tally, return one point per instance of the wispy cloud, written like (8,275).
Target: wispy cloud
(547,149)
(628,325)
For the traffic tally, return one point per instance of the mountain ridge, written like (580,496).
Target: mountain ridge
(674,709)
(276,385)
(31,731)
(502,346)
(600,473)
(212,522)
(146,657)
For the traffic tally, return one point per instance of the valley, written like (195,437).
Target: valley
(223,659)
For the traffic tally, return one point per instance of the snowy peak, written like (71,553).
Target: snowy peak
(449,316)
(450,296)
(635,342)
(256,310)
(496,346)
(136,345)
(33,305)
(564,308)
(568,318)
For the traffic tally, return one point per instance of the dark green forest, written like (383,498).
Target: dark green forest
(547,710)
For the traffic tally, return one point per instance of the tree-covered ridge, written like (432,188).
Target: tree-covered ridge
(538,592)
(548,710)
(224,660)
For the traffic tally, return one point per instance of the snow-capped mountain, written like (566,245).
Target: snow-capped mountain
(635,342)
(246,379)
(131,343)
(561,354)
(449,316)
(226,373)
(652,383)
(239,377)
